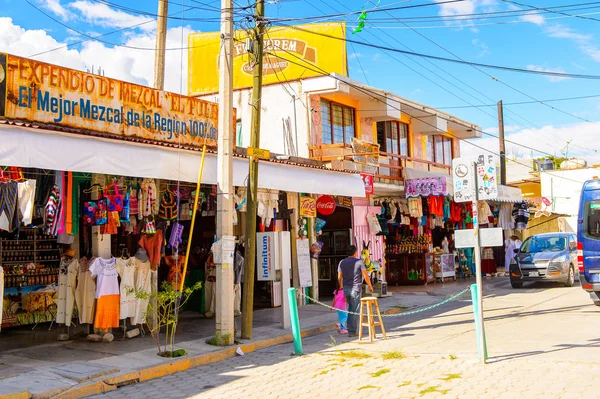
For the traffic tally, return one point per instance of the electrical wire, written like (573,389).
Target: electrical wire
(522,102)
(552,11)
(378,96)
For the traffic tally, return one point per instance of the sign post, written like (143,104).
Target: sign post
(466,175)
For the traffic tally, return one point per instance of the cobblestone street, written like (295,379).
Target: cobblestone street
(542,343)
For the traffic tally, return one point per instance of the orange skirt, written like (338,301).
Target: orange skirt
(107,312)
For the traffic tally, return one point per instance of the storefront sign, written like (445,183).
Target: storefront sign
(265,256)
(290,53)
(308,207)
(304,269)
(345,202)
(426,186)
(369,185)
(326,205)
(463,179)
(365,153)
(49,94)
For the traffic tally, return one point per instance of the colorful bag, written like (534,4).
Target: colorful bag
(124,215)
(176,236)
(89,213)
(101,212)
(168,207)
(149,226)
(115,201)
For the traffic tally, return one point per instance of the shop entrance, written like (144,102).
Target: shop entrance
(336,238)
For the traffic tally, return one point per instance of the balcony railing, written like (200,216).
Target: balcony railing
(390,165)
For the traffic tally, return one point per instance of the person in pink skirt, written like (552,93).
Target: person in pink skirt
(339,303)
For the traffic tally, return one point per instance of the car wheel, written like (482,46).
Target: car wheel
(571,278)
(516,284)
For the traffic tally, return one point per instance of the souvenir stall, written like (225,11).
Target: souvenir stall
(418,246)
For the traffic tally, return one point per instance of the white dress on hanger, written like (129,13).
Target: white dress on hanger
(85,293)
(126,269)
(67,282)
(143,282)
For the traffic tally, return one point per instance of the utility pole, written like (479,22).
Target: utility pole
(251,193)
(161,40)
(224,291)
(501,138)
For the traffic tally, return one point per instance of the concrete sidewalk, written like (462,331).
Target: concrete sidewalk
(80,368)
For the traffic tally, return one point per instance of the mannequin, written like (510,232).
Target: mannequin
(142,255)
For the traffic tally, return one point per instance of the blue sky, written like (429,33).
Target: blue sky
(541,41)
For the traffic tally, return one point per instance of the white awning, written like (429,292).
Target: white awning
(45,149)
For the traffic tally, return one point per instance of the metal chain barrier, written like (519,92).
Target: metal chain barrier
(435,305)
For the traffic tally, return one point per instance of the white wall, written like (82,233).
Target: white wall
(277,104)
(563,187)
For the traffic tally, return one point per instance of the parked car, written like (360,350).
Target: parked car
(547,257)
(588,239)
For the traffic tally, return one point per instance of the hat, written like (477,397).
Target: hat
(70,253)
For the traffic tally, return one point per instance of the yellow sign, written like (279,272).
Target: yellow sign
(49,94)
(289,54)
(308,207)
(259,153)
(365,153)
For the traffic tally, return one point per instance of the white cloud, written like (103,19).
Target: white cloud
(564,32)
(540,68)
(376,57)
(483,48)
(57,8)
(117,62)
(548,139)
(533,18)
(352,56)
(102,15)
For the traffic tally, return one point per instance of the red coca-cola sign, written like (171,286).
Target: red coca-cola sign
(326,205)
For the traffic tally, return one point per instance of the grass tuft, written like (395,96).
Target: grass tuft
(433,390)
(404,384)
(353,354)
(368,387)
(452,357)
(450,377)
(358,365)
(393,355)
(379,373)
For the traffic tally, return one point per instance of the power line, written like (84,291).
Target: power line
(97,38)
(456,61)
(377,96)
(552,11)
(521,102)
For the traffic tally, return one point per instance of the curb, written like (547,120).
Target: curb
(112,383)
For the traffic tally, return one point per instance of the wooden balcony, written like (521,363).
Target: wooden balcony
(390,168)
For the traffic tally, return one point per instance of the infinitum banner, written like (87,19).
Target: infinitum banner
(49,94)
(290,53)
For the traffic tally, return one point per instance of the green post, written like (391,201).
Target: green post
(296,333)
(481,341)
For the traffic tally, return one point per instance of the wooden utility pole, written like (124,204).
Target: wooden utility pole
(501,138)
(224,291)
(251,193)
(161,40)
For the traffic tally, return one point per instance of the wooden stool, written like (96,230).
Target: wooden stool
(368,303)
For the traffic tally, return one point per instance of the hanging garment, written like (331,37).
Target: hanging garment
(505,219)
(153,246)
(176,236)
(67,284)
(521,215)
(168,207)
(124,214)
(143,283)
(374,226)
(68,209)
(52,211)
(127,270)
(9,211)
(85,293)
(415,207)
(147,198)
(484,213)
(107,293)
(175,270)
(447,209)
(133,200)
(26,192)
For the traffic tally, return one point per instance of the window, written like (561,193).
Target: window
(592,219)
(392,137)
(439,149)
(337,123)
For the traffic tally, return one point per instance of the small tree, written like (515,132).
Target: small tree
(164,306)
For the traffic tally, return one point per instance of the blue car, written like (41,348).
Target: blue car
(588,239)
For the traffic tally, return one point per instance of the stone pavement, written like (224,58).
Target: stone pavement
(543,343)
(66,368)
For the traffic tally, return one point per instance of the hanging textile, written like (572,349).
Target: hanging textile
(521,215)
(107,293)
(85,293)
(505,218)
(143,282)
(26,192)
(127,270)
(67,284)
(69,205)
(9,211)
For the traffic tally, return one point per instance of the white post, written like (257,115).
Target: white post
(285,259)
(478,277)
(224,291)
